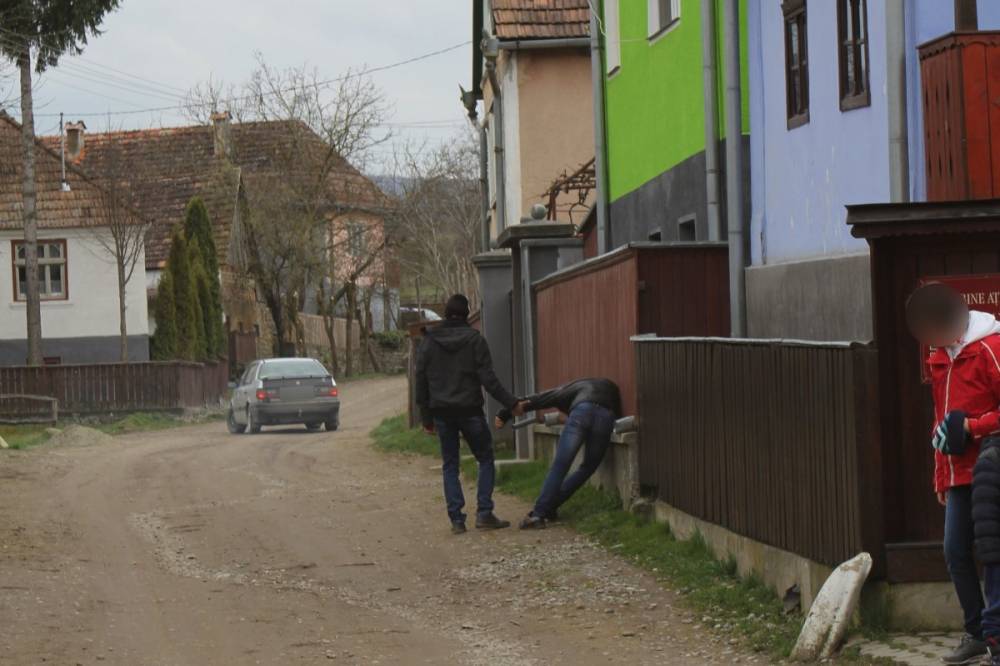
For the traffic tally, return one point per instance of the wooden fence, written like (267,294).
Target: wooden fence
(120,387)
(585,315)
(775,441)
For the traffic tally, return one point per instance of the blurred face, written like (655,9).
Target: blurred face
(937,315)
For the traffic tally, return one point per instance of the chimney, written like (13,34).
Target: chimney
(74,140)
(222,135)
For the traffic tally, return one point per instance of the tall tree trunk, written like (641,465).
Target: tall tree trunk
(369,330)
(278,315)
(364,321)
(122,323)
(28,195)
(386,303)
(349,352)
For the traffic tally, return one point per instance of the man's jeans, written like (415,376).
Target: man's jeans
(959,545)
(589,425)
(477,434)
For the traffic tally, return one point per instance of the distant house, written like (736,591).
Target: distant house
(79,285)
(222,163)
(542,122)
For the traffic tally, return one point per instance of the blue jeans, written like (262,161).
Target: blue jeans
(590,426)
(477,434)
(959,548)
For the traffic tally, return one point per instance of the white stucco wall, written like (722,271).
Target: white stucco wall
(92,307)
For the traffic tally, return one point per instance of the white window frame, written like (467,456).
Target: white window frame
(655,27)
(612,37)
(45,264)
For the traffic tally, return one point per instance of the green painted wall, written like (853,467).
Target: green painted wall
(654,106)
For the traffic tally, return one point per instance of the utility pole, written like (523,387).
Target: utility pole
(30,213)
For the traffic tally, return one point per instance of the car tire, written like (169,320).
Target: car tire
(312,427)
(331,426)
(253,427)
(234,427)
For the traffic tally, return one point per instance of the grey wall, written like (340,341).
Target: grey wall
(824,299)
(77,350)
(673,195)
(495,291)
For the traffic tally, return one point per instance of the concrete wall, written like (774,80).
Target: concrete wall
(823,299)
(495,291)
(84,328)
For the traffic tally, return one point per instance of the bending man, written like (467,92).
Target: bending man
(589,408)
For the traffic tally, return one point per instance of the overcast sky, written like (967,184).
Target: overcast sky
(177,44)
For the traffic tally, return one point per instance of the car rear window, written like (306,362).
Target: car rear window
(293,367)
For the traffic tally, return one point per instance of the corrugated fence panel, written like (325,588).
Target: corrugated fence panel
(583,327)
(120,387)
(764,438)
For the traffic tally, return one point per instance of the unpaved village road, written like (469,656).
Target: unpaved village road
(192,546)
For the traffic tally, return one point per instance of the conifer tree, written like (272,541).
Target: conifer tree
(205,348)
(198,225)
(164,342)
(185,298)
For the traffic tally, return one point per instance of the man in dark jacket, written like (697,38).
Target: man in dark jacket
(589,408)
(453,367)
(986,516)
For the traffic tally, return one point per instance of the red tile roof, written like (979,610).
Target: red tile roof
(179,163)
(81,206)
(541,19)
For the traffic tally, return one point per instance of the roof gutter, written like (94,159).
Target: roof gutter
(555,43)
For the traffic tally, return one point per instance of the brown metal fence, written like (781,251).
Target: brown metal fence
(775,441)
(120,387)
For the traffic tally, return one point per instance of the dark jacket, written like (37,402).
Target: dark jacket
(603,392)
(453,367)
(986,502)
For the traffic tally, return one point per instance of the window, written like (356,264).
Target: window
(656,236)
(687,229)
(612,37)
(52,276)
(796,62)
(662,15)
(356,238)
(852,53)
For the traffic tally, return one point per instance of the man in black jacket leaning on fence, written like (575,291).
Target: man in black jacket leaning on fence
(453,367)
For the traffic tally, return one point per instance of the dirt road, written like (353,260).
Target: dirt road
(192,546)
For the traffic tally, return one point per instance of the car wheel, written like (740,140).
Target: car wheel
(313,426)
(234,427)
(252,426)
(332,425)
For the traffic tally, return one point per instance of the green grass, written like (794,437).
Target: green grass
(719,599)
(21,437)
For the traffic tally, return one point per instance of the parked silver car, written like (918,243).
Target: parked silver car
(279,391)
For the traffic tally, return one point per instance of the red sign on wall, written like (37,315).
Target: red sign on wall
(981,292)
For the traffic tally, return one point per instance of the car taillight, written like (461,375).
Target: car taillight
(265,395)
(330,391)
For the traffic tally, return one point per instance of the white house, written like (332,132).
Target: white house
(79,283)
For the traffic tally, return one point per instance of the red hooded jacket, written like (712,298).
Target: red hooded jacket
(971,383)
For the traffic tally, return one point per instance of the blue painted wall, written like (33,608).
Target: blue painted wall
(802,178)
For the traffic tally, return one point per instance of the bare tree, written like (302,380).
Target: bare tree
(440,213)
(309,182)
(125,235)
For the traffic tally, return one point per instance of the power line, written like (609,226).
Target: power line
(239,98)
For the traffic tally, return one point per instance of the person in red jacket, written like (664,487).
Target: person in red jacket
(964,366)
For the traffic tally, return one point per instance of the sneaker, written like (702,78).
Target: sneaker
(533,522)
(458,527)
(488,521)
(969,651)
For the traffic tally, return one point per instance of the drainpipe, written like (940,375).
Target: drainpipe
(491,51)
(711,94)
(600,161)
(558,43)
(895,51)
(734,169)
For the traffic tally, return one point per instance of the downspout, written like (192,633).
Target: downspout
(600,158)
(491,51)
(734,169)
(469,100)
(895,52)
(711,94)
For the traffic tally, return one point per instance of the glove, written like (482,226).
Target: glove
(950,437)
